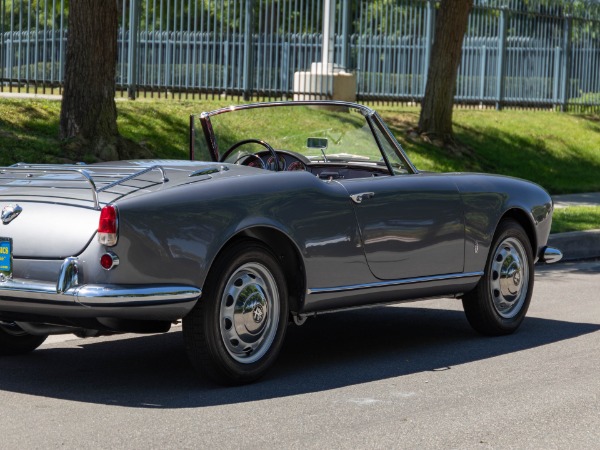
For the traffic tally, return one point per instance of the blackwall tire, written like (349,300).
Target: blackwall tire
(236,330)
(15,341)
(498,304)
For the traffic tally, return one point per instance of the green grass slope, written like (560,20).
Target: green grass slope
(559,151)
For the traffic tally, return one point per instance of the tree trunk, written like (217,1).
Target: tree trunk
(88,117)
(435,121)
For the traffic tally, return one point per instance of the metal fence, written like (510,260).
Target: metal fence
(540,53)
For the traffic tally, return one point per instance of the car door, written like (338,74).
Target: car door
(411,225)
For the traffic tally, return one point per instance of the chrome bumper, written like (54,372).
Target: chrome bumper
(550,255)
(158,302)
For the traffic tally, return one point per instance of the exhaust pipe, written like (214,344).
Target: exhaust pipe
(42,329)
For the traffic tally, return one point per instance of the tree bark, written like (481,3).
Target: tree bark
(88,117)
(435,121)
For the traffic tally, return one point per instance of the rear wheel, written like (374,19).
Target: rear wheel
(15,341)
(500,301)
(235,331)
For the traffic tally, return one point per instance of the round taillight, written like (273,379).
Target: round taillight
(109,261)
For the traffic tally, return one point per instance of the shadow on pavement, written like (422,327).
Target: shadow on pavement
(585,267)
(328,352)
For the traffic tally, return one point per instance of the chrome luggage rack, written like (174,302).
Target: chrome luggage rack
(87,175)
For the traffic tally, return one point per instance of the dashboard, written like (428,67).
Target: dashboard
(291,161)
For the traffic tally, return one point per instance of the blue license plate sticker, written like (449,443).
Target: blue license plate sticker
(5,256)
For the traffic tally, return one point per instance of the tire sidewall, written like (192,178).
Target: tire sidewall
(18,344)
(508,229)
(229,263)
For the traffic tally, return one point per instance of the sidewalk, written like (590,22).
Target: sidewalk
(24,95)
(577,244)
(588,199)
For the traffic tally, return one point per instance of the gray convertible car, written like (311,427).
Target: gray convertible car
(284,211)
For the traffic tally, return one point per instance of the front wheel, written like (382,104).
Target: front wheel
(15,341)
(498,304)
(235,331)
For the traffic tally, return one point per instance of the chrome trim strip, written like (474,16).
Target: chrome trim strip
(209,171)
(380,284)
(381,123)
(551,255)
(364,109)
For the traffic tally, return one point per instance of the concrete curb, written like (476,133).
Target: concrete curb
(577,244)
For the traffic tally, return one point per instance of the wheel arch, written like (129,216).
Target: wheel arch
(523,219)
(287,254)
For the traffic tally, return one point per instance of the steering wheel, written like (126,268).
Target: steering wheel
(252,141)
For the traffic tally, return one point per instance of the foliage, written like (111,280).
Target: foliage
(376,16)
(22,15)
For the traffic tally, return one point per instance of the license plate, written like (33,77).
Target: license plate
(6,257)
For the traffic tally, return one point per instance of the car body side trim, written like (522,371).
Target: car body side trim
(379,284)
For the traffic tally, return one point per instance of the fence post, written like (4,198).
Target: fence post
(429,31)
(132,59)
(2,64)
(249,53)
(501,74)
(566,61)
(556,96)
(346,34)
(482,74)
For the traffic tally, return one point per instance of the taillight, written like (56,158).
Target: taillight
(108,227)
(109,261)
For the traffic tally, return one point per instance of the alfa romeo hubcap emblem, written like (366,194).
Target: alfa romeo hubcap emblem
(258,314)
(517,278)
(10,213)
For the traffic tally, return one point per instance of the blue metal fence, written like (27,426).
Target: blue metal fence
(543,53)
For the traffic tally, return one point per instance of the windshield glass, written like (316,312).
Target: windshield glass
(329,133)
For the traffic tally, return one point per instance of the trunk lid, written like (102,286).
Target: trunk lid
(59,206)
(49,231)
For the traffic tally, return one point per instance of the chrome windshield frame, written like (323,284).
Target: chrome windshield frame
(372,117)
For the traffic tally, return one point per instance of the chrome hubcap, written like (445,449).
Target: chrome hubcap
(249,313)
(509,278)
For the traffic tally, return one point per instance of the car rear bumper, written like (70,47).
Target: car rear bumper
(145,302)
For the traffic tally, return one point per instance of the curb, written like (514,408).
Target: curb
(577,244)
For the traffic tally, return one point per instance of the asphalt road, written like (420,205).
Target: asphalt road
(413,376)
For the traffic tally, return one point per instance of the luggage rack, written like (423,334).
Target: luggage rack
(86,175)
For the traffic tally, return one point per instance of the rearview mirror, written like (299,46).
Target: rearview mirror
(319,143)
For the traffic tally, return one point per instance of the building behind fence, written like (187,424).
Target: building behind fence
(541,53)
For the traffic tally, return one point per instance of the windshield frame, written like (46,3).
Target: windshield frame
(371,116)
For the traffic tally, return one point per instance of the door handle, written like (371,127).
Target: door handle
(358,198)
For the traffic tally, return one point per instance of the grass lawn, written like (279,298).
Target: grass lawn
(559,151)
(576,218)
